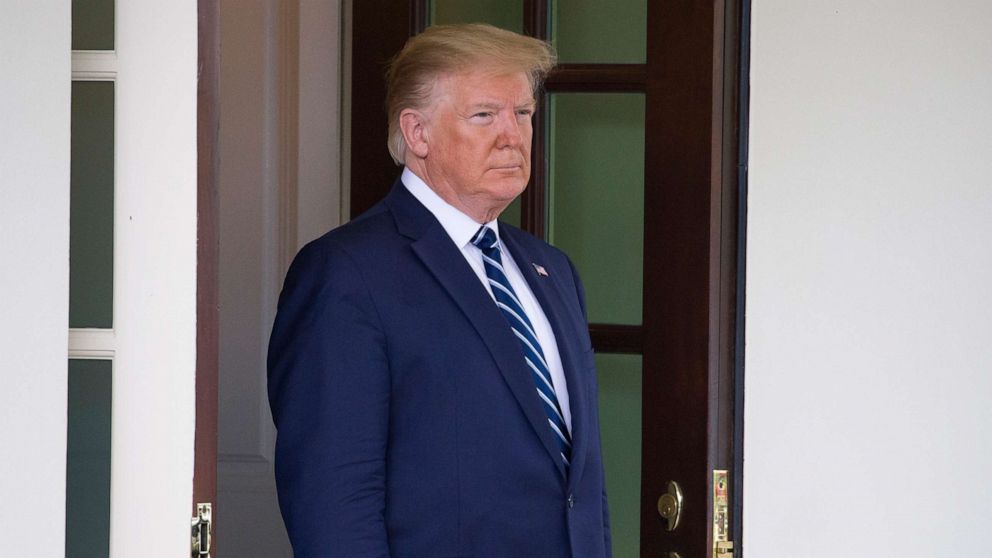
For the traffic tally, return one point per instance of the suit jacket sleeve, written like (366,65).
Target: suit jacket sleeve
(607,537)
(329,394)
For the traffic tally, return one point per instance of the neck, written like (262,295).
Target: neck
(478,211)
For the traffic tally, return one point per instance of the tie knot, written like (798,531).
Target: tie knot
(485,239)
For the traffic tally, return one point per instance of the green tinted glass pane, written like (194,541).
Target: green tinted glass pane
(92,24)
(508,14)
(511,215)
(600,31)
(596,197)
(91,220)
(87,496)
(620,425)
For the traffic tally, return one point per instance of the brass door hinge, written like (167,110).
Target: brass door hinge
(202,530)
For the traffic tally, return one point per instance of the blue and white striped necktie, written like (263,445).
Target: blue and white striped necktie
(509,304)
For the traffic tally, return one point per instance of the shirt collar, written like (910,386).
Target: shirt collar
(460,227)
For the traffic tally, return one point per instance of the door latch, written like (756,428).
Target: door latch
(202,527)
(670,505)
(723,547)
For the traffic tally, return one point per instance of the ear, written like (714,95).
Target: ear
(413,124)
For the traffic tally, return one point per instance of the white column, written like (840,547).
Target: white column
(35,64)
(155,298)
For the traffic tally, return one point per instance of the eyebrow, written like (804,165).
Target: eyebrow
(486,105)
(497,106)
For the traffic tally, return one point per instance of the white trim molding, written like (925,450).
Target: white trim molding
(94,65)
(92,343)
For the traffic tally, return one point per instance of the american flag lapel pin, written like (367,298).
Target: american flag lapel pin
(540,270)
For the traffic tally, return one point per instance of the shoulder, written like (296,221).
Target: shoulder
(368,233)
(344,255)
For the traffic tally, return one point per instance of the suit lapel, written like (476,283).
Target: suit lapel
(548,290)
(445,261)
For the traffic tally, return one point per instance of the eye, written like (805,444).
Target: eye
(523,114)
(482,116)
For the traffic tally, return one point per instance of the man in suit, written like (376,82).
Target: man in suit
(431,374)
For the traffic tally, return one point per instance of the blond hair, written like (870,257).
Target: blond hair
(446,49)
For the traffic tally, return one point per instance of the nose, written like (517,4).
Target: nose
(511,132)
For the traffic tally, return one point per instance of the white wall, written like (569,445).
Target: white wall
(869,280)
(34,274)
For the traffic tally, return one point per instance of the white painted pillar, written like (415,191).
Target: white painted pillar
(35,65)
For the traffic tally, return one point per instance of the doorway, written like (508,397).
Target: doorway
(278,188)
(635,176)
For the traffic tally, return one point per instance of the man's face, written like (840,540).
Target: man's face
(479,139)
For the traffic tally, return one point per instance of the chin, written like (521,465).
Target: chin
(508,189)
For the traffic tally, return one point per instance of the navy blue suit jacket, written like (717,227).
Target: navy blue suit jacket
(408,423)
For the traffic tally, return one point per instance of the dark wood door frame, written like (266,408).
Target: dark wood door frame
(691,336)
(207,250)
(743,117)
(691,299)
(379,30)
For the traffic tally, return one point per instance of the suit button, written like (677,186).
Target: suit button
(571,501)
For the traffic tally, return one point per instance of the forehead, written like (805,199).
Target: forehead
(485,87)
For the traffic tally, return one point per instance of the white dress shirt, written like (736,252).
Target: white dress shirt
(461,228)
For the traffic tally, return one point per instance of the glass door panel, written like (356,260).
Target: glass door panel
(511,215)
(600,31)
(596,197)
(620,427)
(91,214)
(91,282)
(87,499)
(499,13)
(92,24)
